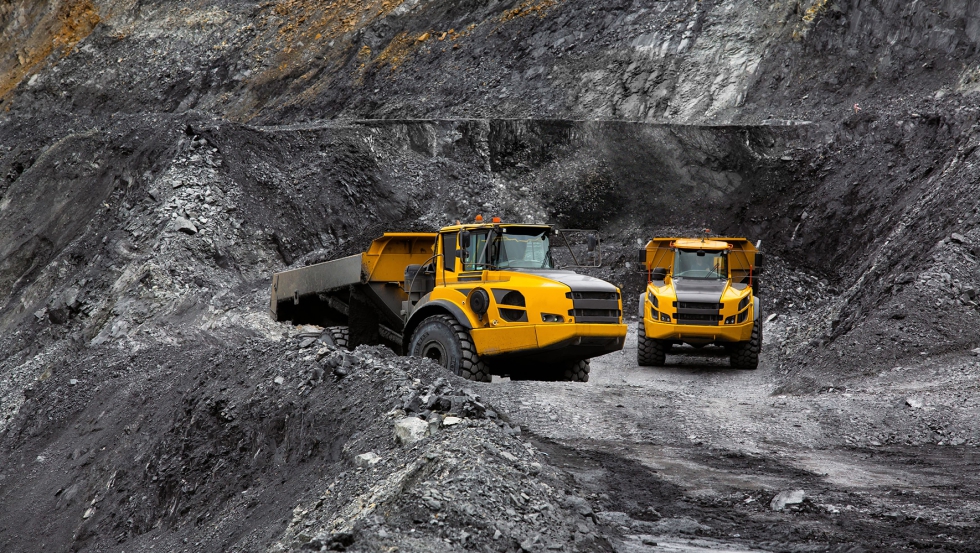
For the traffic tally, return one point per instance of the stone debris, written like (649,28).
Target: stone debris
(786,498)
(368,459)
(914,402)
(410,430)
(183,225)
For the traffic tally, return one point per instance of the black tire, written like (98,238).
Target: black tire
(339,336)
(745,356)
(650,352)
(577,371)
(445,341)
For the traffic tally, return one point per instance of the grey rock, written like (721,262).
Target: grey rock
(786,498)
(913,402)
(509,456)
(958,238)
(183,225)
(410,430)
(615,517)
(580,506)
(905,278)
(307,342)
(368,459)
(316,374)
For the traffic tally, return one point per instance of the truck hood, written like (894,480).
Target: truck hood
(575,281)
(697,290)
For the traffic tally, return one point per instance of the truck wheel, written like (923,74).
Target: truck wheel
(446,342)
(745,356)
(649,352)
(339,336)
(576,372)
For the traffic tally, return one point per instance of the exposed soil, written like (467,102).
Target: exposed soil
(159,160)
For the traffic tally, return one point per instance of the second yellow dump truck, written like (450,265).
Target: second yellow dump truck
(701,291)
(479,299)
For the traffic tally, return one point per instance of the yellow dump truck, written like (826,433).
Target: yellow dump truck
(700,291)
(479,299)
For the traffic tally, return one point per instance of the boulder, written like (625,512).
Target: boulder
(786,498)
(410,430)
(368,459)
(183,225)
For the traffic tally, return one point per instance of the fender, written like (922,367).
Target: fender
(643,299)
(757,309)
(428,308)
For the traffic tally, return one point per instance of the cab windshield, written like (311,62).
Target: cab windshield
(521,248)
(701,264)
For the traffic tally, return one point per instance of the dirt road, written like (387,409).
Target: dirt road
(690,456)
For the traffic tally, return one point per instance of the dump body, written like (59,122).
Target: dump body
(700,291)
(533,312)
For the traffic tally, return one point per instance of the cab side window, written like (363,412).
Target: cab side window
(477,252)
(449,251)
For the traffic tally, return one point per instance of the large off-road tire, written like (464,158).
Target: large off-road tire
(339,335)
(576,372)
(745,356)
(445,341)
(650,352)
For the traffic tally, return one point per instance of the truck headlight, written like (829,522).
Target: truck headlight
(653,300)
(665,317)
(730,320)
(552,318)
(743,303)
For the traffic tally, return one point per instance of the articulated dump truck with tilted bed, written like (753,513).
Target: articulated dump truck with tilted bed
(700,291)
(479,299)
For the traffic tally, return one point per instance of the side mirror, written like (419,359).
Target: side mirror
(592,241)
(643,256)
(659,273)
(464,239)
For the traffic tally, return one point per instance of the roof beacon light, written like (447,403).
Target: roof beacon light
(495,220)
(478,218)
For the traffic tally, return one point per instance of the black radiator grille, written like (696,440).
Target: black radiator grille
(607,316)
(595,307)
(693,318)
(698,305)
(614,296)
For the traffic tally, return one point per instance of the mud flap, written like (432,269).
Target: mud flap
(363,320)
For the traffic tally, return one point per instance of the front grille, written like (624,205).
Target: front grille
(593,296)
(692,318)
(595,307)
(698,305)
(605,316)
